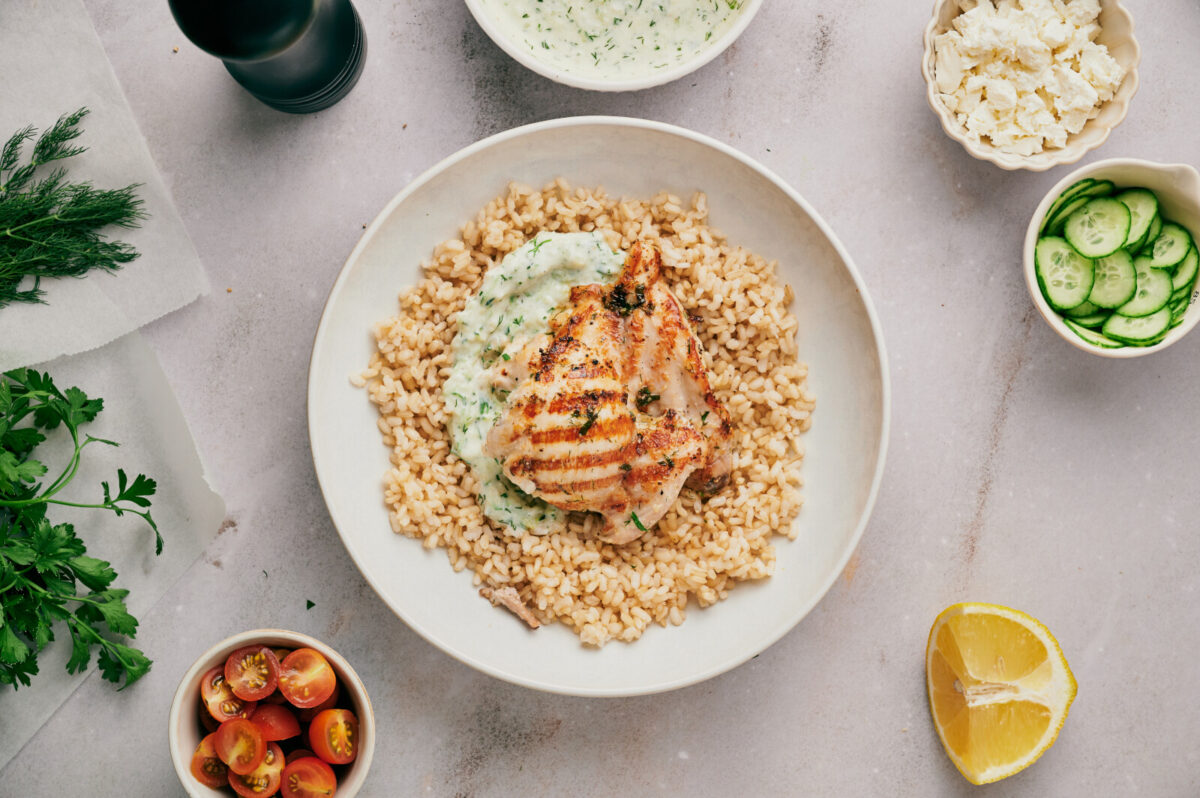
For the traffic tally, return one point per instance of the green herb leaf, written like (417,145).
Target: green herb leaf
(636,521)
(42,563)
(50,227)
(592,415)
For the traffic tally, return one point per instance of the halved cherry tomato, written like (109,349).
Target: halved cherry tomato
(265,779)
(308,777)
(207,767)
(209,723)
(334,736)
(222,704)
(275,722)
(240,745)
(252,672)
(274,698)
(329,703)
(306,678)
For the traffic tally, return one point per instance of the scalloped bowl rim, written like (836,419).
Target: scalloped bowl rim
(565,77)
(1191,316)
(1047,159)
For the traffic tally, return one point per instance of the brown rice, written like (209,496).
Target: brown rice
(700,548)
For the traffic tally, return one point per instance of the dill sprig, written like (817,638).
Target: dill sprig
(50,227)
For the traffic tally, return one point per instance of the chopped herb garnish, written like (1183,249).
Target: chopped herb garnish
(618,299)
(636,521)
(667,461)
(592,415)
(626,467)
(645,398)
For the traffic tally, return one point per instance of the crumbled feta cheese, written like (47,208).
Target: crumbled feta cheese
(1025,74)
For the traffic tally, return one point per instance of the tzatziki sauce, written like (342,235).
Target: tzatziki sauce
(602,39)
(519,296)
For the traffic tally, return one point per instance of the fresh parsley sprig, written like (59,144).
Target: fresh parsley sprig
(43,564)
(50,227)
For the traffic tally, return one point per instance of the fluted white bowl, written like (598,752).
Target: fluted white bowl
(1116,33)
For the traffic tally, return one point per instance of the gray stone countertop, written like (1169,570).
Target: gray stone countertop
(1021,471)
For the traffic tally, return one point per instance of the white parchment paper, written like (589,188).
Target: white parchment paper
(142,414)
(51,63)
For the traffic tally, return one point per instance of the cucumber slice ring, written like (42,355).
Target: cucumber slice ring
(1092,337)
(1153,291)
(1072,200)
(1143,207)
(1142,331)
(1099,228)
(1064,199)
(1064,275)
(1170,248)
(1185,272)
(1156,227)
(1116,280)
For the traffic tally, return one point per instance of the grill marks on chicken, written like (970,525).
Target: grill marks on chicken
(612,411)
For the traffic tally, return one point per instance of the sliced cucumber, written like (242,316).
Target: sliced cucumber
(1054,225)
(1099,228)
(1115,282)
(1064,199)
(1178,307)
(1096,319)
(1082,309)
(1072,200)
(1140,331)
(1064,275)
(1153,291)
(1169,248)
(1143,207)
(1185,272)
(1092,337)
(1155,228)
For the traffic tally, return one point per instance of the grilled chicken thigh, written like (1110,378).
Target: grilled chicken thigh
(611,411)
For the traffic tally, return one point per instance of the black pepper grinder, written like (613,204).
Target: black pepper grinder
(297,56)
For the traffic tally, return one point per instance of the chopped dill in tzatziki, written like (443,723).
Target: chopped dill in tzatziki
(519,296)
(614,38)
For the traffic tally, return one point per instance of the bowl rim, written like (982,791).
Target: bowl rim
(884,431)
(1051,317)
(1047,159)
(182,702)
(749,10)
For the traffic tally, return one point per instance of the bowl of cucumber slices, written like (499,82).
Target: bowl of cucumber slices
(1111,258)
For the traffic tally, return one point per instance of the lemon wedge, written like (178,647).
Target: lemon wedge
(999,689)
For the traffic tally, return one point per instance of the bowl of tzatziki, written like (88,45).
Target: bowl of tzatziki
(613,45)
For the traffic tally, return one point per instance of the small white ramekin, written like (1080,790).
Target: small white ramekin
(183,725)
(1116,33)
(1178,189)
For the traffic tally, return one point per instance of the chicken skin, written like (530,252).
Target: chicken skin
(611,411)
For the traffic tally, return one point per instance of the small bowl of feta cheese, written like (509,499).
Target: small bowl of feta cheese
(1030,84)
(613,45)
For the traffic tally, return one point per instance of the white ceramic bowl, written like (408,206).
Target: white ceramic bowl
(183,726)
(838,336)
(529,59)
(1116,34)
(1178,190)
